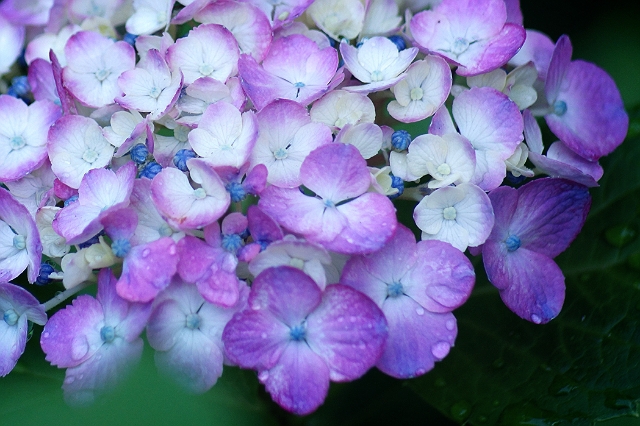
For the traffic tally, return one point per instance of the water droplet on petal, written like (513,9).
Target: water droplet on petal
(172,250)
(45,335)
(450,324)
(79,347)
(69,380)
(536,319)
(263,375)
(353,319)
(420,371)
(263,335)
(145,252)
(420,311)
(620,235)
(460,411)
(440,349)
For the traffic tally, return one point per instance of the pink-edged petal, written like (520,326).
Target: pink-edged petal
(69,337)
(336,172)
(300,381)
(120,224)
(417,338)
(348,331)
(147,269)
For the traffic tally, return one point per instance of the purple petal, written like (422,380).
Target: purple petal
(417,338)
(442,278)
(593,122)
(262,226)
(348,331)
(558,66)
(69,337)
(147,270)
(13,340)
(120,224)
(549,215)
(300,381)
(255,339)
(530,283)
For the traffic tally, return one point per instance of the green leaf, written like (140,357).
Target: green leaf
(582,367)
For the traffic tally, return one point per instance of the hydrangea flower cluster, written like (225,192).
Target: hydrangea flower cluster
(225,170)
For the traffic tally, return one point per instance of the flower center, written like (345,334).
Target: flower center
(17,142)
(102,75)
(280,154)
(377,76)
(296,262)
(416,94)
(512,243)
(107,334)
(231,242)
(181,133)
(19,242)
(299,85)
(199,193)
(395,289)
(155,92)
(205,69)
(165,230)
(460,45)
(444,169)
(193,321)
(10,317)
(298,333)
(90,156)
(449,213)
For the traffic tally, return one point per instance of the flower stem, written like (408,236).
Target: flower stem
(61,297)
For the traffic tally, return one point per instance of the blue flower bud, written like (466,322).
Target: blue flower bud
(139,153)
(237,191)
(130,39)
(181,157)
(512,243)
(151,170)
(397,183)
(400,139)
(93,240)
(70,200)
(120,247)
(20,85)
(43,275)
(231,242)
(398,41)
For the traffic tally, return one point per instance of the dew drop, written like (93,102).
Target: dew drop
(263,375)
(536,319)
(69,380)
(440,382)
(620,235)
(353,319)
(451,324)
(341,319)
(420,311)
(145,252)
(263,335)
(172,250)
(45,334)
(440,349)
(498,363)
(420,371)
(460,411)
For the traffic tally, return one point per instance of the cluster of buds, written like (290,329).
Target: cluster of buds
(225,171)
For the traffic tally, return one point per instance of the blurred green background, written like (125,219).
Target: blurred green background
(606,33)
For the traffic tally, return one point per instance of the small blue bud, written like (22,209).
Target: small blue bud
(70,200)
(400,139)
(245,234)
(10,317)
(512,243)
(398,41)
(397,183)
(20,85)
(151,170)
(43,275)
(120,247)
(130,39)
(237,191)
(231,242)
(515,180)
(93,240)
(263,244)
(139,153)
(560,108)
(181,157)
